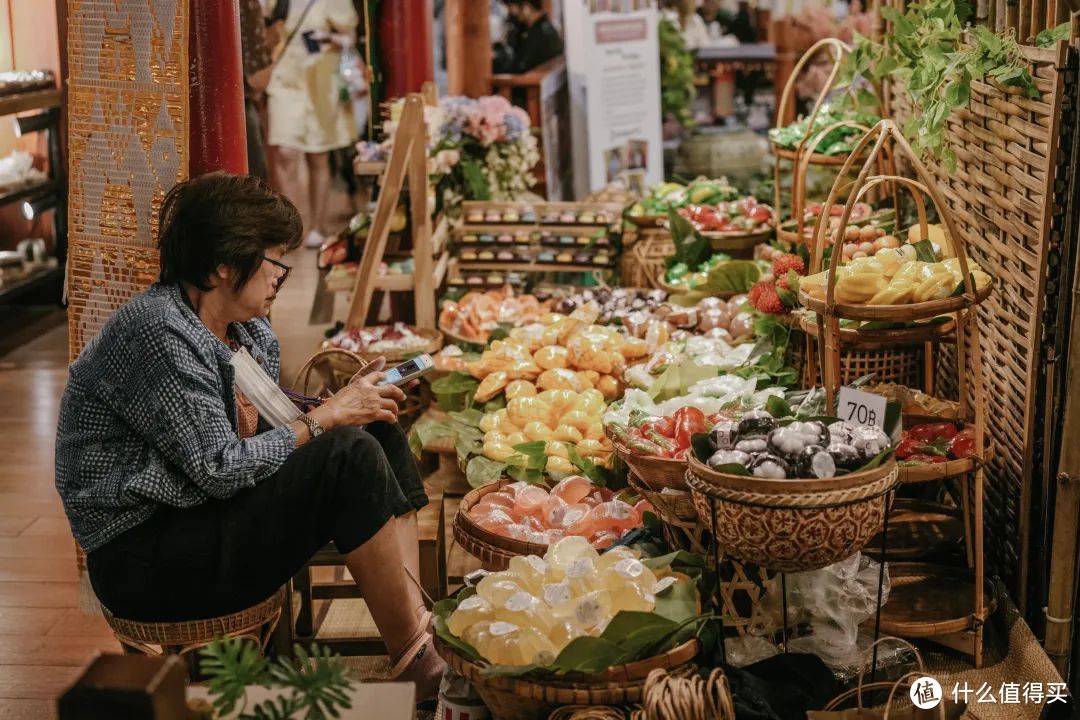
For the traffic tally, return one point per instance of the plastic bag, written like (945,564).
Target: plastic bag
(834,601)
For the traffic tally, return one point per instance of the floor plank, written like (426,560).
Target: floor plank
(74,623)
(45,546)
(12,709)
(47,650)
(47,526)
(29,621)
(12,525)
(38,570)
(39,594)
(43,682)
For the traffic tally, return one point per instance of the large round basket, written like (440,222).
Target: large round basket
(492,550)
(511,698)
(644,259)
(897,313)
(433,343)
(792,525)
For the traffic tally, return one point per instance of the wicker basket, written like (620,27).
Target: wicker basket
(511,698)
(434,343)
(792,525)
(644,260)
(658,473)
(334,367)
(494,551)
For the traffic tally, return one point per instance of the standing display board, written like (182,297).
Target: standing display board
(613,60)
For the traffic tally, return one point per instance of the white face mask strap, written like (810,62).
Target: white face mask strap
(273,405)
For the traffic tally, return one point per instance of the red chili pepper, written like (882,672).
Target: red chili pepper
(963,444)
(665,426)
(923,459)
(688,421)
(907,448)
(932,432)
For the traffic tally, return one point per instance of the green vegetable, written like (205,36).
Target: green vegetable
(677,90)
(733,276)
(837,142)
(1052,36)
(927,52)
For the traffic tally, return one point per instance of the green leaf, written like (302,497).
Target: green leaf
(1052,36)
(877,460)
(476,184)
(778,407)
(455,382)
(680,602)
(924,251)
(534,452)
(598,475)
(588,655)
(481,471)
(733,276)
(690,247)
(440,614)
(957,94)
(732,469)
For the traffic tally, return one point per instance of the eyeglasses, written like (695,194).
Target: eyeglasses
(277,263)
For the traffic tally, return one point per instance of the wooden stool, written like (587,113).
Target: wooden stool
(187,637)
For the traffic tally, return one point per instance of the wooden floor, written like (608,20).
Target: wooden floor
(44,638)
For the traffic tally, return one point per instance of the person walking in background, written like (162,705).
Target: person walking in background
(537,40)
(258,62)
(310,113)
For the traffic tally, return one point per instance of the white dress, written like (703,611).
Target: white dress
(304,103)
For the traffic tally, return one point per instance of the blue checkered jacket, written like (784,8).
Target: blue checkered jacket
(149,418)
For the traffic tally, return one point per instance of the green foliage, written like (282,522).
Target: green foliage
(691,249)
(677,91)
(936,55)
(314,686)
(1052,36)
(733,276)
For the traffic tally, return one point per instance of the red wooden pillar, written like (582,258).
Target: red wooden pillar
(405,31)
(218,139)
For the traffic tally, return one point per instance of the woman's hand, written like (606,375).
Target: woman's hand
(363,401)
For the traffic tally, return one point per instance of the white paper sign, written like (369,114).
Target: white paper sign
(861,408)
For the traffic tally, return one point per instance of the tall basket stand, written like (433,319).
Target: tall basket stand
(805,154)
(962,628)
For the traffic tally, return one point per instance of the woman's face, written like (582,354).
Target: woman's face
(256,295)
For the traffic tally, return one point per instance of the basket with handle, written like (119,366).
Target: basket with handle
(805,154)
(644,260)
(791,525)
(658,473)
(517,698)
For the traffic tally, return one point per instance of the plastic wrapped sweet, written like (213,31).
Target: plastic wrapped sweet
(574,507)
(528,613)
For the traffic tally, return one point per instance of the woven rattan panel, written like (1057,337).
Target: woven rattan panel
(1002,195)
(127,138)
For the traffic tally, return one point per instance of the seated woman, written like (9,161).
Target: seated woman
(187,507)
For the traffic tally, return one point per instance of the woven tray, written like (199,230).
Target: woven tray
(791,525)
(919,529)
(737,244)
(493,551)
(520,699)
(931,600)
(897,313)
(884,339)
(647,221)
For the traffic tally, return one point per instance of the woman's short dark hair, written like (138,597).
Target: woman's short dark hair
(221,219)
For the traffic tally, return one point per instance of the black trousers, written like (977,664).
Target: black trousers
(226,555)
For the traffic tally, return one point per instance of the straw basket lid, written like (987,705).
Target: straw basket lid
(881,134)
(511,698)
(493,550)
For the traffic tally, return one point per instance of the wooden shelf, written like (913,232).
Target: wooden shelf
(40,188)
(40,276)
(29,100)
(530,267)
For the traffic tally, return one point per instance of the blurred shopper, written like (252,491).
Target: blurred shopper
(310,109)
(258,62)
(537,40)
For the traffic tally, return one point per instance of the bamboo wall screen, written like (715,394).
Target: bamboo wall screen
(127,146)
(1004,193)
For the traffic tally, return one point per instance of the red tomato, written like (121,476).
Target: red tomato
(688,421)
(963,443)
(760,214)
(665,426)
(907,448)
(932,432)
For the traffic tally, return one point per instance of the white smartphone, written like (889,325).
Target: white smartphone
(409,370)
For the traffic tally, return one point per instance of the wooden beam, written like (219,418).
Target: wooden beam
(468,47)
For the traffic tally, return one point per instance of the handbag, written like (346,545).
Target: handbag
(944,710)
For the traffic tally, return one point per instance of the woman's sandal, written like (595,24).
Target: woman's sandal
(420,664)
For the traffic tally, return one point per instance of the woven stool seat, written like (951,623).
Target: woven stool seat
(180,638)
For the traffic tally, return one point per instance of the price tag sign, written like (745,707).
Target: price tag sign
(861,408)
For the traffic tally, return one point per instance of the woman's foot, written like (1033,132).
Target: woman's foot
(421,665)
(314,239)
